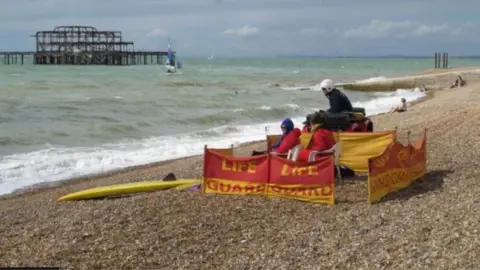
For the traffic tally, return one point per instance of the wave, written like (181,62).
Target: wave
(372,79)
(383,102)
(57,163)
(246,115)
(318,88)
(183,83)
(298,88)
(8,141)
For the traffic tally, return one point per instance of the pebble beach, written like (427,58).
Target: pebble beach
(432,224)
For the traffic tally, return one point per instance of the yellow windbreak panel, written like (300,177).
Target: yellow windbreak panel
(358,147)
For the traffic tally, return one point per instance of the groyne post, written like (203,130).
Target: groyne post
(438,60)
(440,56)
(441,60)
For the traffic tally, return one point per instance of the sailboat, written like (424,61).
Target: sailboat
(211,57)
(172,63)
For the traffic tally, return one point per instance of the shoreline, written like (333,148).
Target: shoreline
(45,186)
(429,78)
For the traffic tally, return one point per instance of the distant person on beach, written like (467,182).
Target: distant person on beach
(339,102)
(424,88)
(290,138)
(459,82)
(401,108)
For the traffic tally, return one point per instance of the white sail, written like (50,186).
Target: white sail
(176,65)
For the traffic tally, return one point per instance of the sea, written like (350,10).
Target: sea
(61,122)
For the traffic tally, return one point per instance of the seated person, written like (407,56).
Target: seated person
(424,88)
(339,102)
(306,124)
(322,138)
(459,82)
(290,138)
(401,108)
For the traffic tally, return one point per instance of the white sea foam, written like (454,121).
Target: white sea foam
(385,101)
(373,79)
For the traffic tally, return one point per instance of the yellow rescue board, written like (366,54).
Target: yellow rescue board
(129,188)
(185,186)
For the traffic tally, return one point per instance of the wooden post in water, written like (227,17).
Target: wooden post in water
(435,64)
(439,60)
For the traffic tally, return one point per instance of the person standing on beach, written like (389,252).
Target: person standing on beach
(339,102)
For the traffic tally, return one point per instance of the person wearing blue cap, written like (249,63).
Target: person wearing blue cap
(290,137)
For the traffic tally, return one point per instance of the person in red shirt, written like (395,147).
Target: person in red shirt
(322,138)
(289,139)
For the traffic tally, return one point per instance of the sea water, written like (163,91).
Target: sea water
(59,122)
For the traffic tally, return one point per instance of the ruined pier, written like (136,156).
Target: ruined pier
(82,45)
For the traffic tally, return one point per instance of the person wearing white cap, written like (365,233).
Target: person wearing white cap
(339,102)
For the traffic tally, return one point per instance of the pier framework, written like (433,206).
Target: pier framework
(83,45)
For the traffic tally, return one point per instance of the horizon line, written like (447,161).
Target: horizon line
(336,56)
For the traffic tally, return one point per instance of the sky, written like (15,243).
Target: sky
(239,28)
